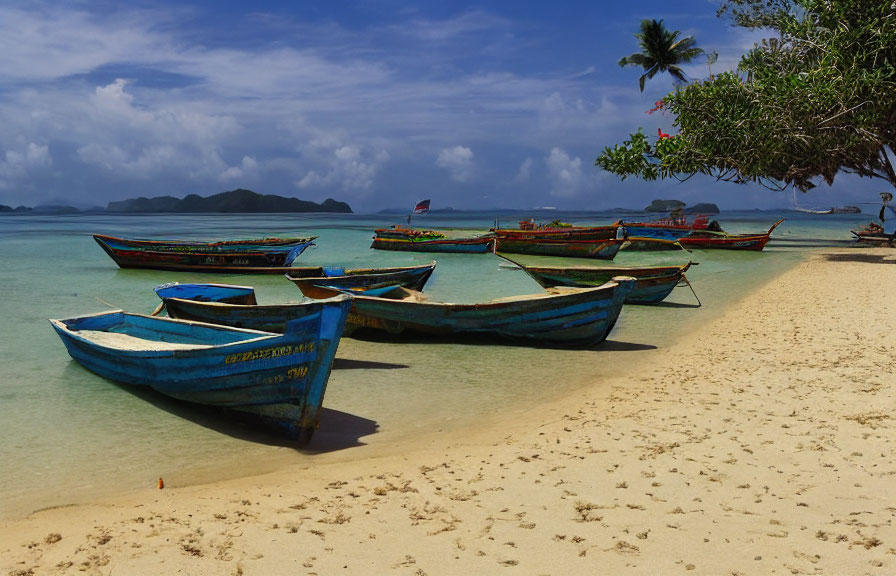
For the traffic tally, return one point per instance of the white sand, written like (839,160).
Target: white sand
(761,444)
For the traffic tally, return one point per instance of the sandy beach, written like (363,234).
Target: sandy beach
(760,444)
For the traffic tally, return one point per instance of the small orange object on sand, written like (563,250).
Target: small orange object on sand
(161,483)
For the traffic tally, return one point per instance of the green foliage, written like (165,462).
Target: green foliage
(661,51)
(816,100)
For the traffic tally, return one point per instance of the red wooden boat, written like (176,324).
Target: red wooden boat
(268,255)
(559,240)
(724,240)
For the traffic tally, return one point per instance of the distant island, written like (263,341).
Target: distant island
(235,201)
(673,205)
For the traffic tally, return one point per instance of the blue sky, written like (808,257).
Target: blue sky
(476,105)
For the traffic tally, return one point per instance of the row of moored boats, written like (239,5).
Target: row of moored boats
(219,347)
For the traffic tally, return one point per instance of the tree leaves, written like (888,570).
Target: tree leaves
(816,100)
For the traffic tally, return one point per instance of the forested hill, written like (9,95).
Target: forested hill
(234,201)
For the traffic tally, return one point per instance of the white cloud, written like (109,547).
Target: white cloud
(345,168)
(565,173)
(458,161)
(525,171)
(17,164)
(247,166)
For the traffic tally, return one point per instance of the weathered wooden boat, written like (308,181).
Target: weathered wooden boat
(724,240)
(229,293)
(671,228)
(874,234)
(363,280)
(277,379)
(211,303)
(403,239)
(572,247)
(644,244)
(558,239)
(652,283)
(559,317)
(264,255)
(557,230)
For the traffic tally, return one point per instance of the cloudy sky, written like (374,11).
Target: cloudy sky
(378,103)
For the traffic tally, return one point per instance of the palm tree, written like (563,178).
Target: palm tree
(661,51)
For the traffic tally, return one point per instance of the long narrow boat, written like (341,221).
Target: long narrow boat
(229,293)
(562,317)
(278,379)
(554,246)
(361,280)
(652,283)
(874,234)
(213,304)
(405,240)
(671,228)
(266,255)
(554,239)
(724,240)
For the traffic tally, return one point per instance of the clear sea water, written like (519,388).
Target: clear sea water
(69,436)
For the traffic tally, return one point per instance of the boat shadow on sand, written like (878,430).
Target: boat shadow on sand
(338,430)
(863,258)
(482,340)
(665,304)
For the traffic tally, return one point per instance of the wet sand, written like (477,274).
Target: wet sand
(760,444)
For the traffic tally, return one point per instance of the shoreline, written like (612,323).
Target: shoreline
(757,444)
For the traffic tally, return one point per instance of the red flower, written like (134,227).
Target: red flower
(658,106)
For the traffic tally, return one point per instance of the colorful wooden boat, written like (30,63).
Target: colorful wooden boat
(278,379)
(267,255)
(874,234)
(724,240)
(360,280)
(557,239)
(413,240)
(671,228)
(553,246)
(210,303)
(560,317)
(652,283)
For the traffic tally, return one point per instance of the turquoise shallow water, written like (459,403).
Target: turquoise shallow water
(69,436)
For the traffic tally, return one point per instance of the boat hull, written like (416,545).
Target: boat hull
(874,238)
(277,379)
(652,284)
(601,249)
(725,241)
(575,317)
(268,318)
(446,245)
(225,256)
(644,244)
(361,280)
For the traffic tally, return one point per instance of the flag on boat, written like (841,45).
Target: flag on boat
(422,207)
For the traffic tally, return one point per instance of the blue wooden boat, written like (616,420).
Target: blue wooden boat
(371,281)
(210,292)
(279,379)
(652,283)
(214,304)
(265,255)
(561,317)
